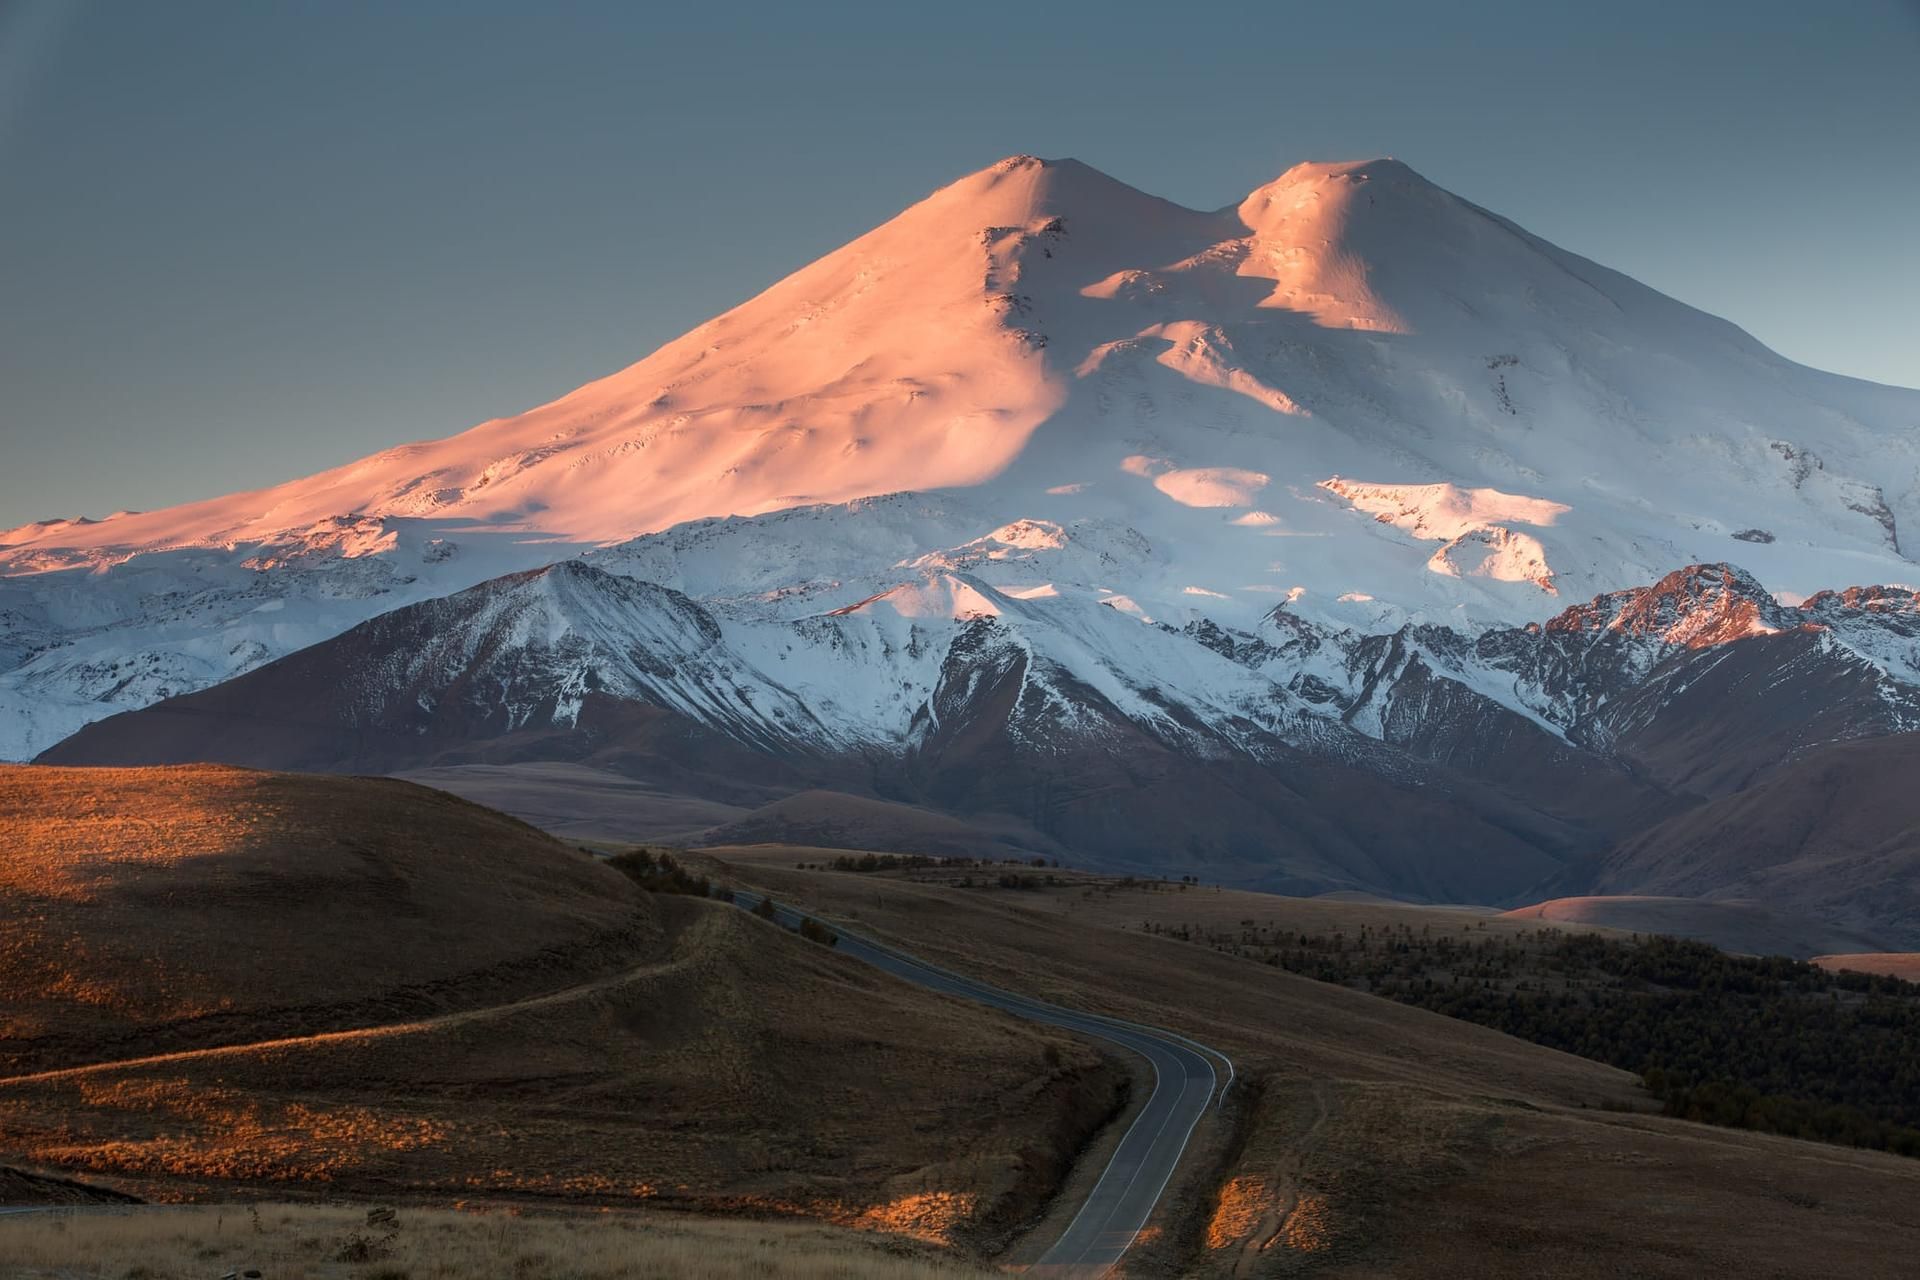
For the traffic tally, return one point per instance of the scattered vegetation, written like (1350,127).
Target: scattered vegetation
(865,863)
(332,1243)
(809,928)
(813,931)
(869,862)
(1010,880)
(660,873)
(1759,1043)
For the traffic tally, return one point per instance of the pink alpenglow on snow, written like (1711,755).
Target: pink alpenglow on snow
(1041,381)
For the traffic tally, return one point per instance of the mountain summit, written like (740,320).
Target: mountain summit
(1351,391)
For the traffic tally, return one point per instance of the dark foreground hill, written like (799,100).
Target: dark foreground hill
(219,979)
(175,908)
(709,1061)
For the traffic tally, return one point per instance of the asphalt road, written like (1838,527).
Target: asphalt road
(1184,1083)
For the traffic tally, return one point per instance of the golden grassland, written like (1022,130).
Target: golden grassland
(748,1071)
(1893,964)
(1367,1138)
(691,1057)
(645,1053)
(307,1242)
(205,905)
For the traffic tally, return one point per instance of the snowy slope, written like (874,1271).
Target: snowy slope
(1108,603)
(1422,761)
(1351,392)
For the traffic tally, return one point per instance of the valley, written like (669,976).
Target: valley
(1355,1127)
(1394,771)
(1071,735)
(1349,538)
(1384,1123)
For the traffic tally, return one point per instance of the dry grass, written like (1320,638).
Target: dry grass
(289,1242)
(425,999)
(1374,1139)
(748,1071)
(1893,964)
(145,909)
(1525,1194)
(1125,902)
(724,1065)
(1747,928)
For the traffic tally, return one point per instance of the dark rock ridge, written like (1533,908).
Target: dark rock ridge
(1422,763)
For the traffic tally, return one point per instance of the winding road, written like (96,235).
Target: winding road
(1184,1083)
(1186,1079)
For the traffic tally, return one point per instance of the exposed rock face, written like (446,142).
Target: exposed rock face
(1351,390)
(988,512)
(1422,761)
(1694,607)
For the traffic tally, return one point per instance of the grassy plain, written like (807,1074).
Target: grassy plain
(312,1242)
(1374,1139)
(360,991)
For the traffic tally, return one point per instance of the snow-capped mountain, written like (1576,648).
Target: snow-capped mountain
(1352,392)
(1422,761)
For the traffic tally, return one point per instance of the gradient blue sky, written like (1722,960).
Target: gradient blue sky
(240,242)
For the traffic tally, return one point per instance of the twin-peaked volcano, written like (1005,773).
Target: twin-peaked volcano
(1047,493)
(1038,326)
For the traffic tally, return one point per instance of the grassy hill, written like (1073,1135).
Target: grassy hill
(221,980)
(173,908)
(1904,965)
(322,988)
(1374,1139)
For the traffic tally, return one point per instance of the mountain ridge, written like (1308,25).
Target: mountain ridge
(1422,762)
(1349,537)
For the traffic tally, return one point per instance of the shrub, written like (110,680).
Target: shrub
(362,1247)
(869,862)
(660,873)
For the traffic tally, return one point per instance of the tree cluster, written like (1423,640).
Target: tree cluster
(660,873)
(1763,1043)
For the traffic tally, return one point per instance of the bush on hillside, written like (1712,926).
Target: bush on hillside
(660,873)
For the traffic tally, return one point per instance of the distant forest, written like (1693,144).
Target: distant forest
(1770,1044)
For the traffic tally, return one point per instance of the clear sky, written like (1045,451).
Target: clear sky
(240,242)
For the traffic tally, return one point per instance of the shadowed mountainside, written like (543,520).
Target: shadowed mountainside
(1836,832)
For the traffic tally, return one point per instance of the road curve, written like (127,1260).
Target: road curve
(1184,1082)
